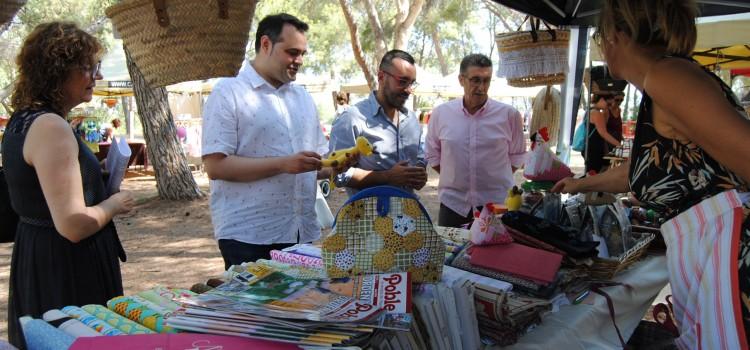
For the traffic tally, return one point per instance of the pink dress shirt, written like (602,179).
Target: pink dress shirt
(475,152)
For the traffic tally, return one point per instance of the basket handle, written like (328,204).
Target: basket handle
(536,25)
(162,17)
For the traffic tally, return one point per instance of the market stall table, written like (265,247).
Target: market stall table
(137,155)
(588,325)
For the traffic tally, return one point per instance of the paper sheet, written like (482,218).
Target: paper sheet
(117,163)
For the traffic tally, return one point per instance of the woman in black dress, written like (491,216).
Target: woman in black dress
(66,250)
(600,141)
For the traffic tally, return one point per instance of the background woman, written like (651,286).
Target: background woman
(66,250)
(689,161)
(600,141)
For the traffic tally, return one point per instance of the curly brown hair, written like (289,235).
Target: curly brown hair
(49,53)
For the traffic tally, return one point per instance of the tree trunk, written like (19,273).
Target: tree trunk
(174,181)
(377,29)
(356,46)
(444,69)
(405,21)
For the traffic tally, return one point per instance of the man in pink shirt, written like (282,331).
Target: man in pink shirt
(475,143)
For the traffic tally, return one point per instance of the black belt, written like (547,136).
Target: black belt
(48,223)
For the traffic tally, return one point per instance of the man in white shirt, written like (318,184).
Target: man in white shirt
(261,149)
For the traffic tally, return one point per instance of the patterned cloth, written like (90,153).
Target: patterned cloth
(121,323)
(91,321)
(702,248)
(137,312)
(383,232)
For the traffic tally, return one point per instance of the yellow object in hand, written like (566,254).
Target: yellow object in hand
(340,157)
(513,200)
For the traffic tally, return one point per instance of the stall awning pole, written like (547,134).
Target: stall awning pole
(571,89)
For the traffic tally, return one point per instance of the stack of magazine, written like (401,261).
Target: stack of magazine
(288,304)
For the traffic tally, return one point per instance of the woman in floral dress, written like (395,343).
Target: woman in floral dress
(689,162)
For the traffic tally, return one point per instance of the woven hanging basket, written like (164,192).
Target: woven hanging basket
(8,9)
(533,58)
(172,41)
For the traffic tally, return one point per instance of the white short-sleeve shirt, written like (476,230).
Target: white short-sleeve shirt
(247,117)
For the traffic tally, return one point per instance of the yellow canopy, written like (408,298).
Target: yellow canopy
(737,56)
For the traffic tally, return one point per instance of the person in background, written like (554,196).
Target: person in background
(689,163)
(109,130)
(392,129)
(600,141)
(261,149)
(66,249)
(342,102)
(614,123)
(475,143)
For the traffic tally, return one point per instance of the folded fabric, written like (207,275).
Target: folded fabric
(150,305)
(535,264)
(121,323)
(137,312)
(68,324)
(563,238)
(41,335)
(156,296)
(182,341)
(91,321)
(296,259)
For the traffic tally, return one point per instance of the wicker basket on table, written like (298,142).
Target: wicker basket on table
(606,268)
(8,9)
(172,41)
(533,58)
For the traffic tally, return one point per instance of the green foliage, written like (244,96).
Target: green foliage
(89,15)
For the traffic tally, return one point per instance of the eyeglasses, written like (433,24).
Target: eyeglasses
(94,70)
(402,81)
(476,81)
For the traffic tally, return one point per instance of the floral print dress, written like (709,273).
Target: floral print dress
(670,177)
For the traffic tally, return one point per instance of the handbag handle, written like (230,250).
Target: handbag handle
(536,26)
(162,17)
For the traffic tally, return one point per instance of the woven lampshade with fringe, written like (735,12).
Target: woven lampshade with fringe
(8,9)
(546,113)
(172,41)
(526,62)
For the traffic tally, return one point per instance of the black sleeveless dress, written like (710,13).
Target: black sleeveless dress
(47,270)
(595,150)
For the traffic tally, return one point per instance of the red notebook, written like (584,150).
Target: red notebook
(523,261)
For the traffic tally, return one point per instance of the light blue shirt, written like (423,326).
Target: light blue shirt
(391,143)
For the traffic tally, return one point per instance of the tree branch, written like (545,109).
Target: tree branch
(403,28)
(356,46)
(377,28)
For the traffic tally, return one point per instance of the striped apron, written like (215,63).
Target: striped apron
(702,253)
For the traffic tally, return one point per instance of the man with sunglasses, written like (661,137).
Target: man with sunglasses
(392,129)
(475,143)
